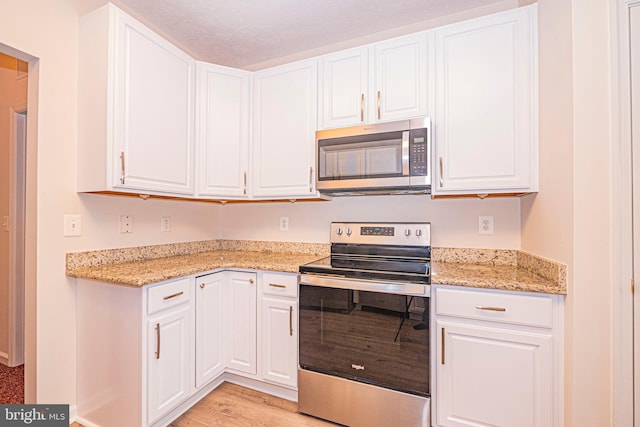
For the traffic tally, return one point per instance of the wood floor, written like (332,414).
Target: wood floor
(233,406)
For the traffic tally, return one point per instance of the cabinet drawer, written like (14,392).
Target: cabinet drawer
(167,295)
(280,284)
(495,307)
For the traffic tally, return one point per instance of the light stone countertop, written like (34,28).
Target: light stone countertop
(145,272)
(478,268)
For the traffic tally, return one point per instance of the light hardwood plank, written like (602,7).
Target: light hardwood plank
(231,405)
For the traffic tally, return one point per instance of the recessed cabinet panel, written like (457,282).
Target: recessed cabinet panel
(168,361)
(242,325)
(280,341)
(345,95)
(485,124)
(400,78)
(493,377)
(223,131)
(211,314)
(153,111)
(285,105)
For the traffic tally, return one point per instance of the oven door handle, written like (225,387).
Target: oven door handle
(365,285)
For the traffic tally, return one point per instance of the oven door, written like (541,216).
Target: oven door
(378,336)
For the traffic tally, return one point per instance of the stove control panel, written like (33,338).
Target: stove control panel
(401,233)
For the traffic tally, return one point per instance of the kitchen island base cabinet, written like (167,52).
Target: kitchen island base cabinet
(497,359)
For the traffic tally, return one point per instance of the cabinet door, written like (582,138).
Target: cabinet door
(490,376)
(284,130)
(222,131)
(242,322)
(153,112)
(344,92)
(280,341)
(168,361)
(400,78)
(485,119)
(211,312)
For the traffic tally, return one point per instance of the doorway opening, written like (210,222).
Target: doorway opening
(14,81)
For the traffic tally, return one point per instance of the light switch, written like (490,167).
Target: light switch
(72,225)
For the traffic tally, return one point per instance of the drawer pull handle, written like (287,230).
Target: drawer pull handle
(275,285)
(177,294)
(482,307)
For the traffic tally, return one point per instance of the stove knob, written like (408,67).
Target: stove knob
(339,231)
(418,232)
(349,232)
(407,232)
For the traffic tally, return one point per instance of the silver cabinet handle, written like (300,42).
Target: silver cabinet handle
(177,294)
(441,173)
(157,341)
(362,107)
(442,334)
(122,167)
(245,183)
(486,308)
(378,105)
(275,285)
(290,321)
(310,179)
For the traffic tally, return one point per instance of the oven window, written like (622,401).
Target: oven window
(369,159)
(377,338)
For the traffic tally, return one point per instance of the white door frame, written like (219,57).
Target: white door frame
(17,170)
(622,255)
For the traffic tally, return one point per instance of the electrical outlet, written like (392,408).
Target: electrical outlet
(284,223)
(485,225)
(165,223)
(72,225)
(126,224)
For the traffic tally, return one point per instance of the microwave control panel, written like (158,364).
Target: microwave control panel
(418,152)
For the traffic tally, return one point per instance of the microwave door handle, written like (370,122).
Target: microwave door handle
(405,153)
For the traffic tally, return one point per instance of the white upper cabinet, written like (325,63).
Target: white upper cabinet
(136,108)
(485,112)
(380,82)
(222,131)
(284,125)
(344,78)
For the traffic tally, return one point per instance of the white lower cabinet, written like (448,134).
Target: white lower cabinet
(168,360)
(279,331)
(242,327)
(135,351)
(497,359)
(147,354)
(211,307)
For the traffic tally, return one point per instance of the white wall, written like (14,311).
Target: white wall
(570,219)
(454,222)
(48,31)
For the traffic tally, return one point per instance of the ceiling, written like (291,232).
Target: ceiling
(244,33)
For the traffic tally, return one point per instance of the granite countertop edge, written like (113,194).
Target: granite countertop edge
(138,273)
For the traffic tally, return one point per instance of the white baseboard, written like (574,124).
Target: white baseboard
(4,358)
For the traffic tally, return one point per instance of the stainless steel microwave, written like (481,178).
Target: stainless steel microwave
(383,158)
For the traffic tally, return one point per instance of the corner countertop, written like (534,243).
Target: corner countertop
(144,272)
(498,269)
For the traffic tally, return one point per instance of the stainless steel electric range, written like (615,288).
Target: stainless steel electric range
(364,327)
